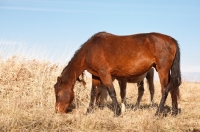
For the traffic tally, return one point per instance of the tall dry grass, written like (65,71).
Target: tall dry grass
(27,104)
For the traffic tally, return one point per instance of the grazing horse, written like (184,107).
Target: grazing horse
(99,91)
(106,55)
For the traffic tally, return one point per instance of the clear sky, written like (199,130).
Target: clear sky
(61,26)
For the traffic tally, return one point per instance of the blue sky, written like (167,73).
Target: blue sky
(59,26)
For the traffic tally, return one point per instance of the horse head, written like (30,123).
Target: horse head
(64,95)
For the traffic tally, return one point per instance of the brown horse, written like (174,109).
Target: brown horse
(99,91)
(106,55)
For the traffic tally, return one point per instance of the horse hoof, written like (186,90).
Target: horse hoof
(135,108)
(89,110)
(118,111)
(174,113)
(101,107)
(157,113)
(161,114)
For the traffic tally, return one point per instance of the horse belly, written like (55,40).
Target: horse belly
(136,79)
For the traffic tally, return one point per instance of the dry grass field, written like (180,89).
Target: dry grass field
(27,104)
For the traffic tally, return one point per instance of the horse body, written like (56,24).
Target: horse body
(112,56)
(106,56)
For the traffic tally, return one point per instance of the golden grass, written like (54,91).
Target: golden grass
(27,104)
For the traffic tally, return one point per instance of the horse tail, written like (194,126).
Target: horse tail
(175,77)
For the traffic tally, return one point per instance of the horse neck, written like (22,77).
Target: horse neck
(74,69)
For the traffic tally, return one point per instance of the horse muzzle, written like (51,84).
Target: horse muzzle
(61,108)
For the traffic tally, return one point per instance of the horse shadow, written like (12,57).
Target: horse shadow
(166,112)
(129,106)
(133,107)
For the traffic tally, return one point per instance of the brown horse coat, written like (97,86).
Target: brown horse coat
(106,55)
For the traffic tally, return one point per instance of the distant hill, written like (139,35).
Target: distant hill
(191,76)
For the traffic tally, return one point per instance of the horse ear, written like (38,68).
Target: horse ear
(59,80)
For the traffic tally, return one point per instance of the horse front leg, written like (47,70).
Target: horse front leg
(106,78)
(103,96)
(112,93)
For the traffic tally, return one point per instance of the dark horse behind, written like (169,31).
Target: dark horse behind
(106,55)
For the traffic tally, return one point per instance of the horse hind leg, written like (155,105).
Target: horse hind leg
(149,77)
(174,97)
(122,85)
(165,86)
(152,90)
(140,94)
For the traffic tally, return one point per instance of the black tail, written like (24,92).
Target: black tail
(175,77)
